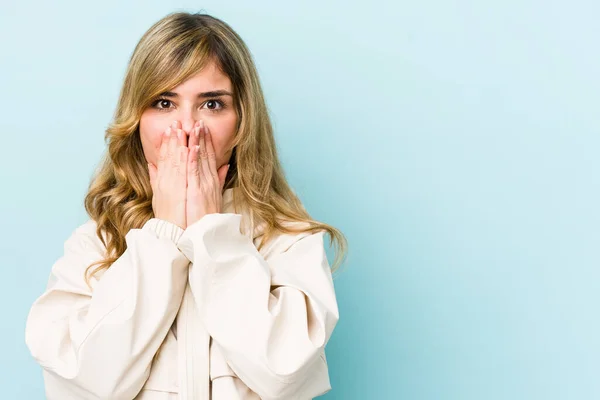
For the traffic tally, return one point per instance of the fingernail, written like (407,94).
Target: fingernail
(174,124)
(168,132)
(201,124)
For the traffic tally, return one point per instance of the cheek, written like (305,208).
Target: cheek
(222,142)
(150,136)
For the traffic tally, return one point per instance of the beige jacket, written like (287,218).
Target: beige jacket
(187,314)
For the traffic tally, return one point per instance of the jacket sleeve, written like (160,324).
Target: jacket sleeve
(99,344)
(271,318)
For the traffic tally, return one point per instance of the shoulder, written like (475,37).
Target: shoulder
(281,242)
(81,248)
(87,228)
(84,236)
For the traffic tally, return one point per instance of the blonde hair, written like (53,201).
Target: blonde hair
(174,49)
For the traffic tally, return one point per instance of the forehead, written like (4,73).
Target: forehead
(207,79)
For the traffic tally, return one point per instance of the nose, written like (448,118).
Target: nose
(187,124)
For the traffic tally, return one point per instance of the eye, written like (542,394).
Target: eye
(162,104)
(213,104)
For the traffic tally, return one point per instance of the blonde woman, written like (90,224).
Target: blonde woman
(199,274)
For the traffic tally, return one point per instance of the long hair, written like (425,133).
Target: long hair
(174,49)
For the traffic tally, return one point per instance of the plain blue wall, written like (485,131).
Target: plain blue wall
(455,143)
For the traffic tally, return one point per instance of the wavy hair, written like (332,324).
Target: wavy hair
(175,48)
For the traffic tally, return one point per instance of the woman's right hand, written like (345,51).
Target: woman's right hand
(168,179)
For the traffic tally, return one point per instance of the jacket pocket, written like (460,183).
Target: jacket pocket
(218,363)
(225,383)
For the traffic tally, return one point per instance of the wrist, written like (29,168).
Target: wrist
(162,227)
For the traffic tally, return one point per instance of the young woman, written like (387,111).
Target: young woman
(199,274)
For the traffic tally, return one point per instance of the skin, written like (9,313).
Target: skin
(187,141)
(188,109)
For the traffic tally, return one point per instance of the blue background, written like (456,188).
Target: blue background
(454,143)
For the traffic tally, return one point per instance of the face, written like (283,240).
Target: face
(191,102)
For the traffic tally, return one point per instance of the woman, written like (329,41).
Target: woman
(199,274)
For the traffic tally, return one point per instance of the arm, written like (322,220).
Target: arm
(271,318)
(99,344)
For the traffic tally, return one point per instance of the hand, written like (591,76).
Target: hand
(204,182)
(168,178)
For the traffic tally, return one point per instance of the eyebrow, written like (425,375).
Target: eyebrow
(212,93)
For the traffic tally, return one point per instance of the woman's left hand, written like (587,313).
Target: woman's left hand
(204,182)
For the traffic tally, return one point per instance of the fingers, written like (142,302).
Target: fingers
(173,153)
(183,160)
(168,178)
(210,152)
(180,156)
(202,158)
(193,167)
(194,135)
(203,166)
(181,138)
(164,147)
(222,173)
